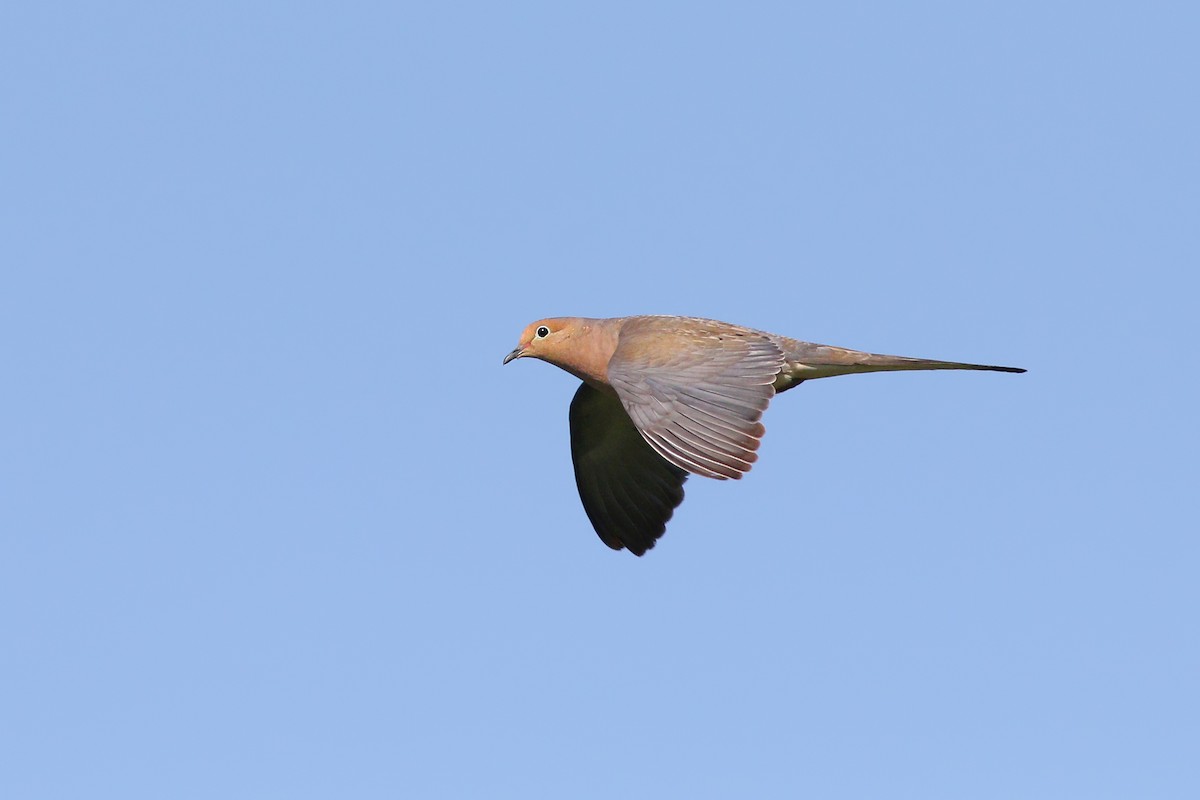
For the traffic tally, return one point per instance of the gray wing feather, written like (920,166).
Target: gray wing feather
(697,396)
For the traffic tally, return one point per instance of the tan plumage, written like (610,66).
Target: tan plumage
(666,396)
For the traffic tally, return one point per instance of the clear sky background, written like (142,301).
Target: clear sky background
(275,522)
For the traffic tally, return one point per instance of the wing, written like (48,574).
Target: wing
(696,392)
(628,492)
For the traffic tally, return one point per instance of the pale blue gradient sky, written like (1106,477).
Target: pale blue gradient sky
(274,521)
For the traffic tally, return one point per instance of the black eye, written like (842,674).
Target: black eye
(543,332)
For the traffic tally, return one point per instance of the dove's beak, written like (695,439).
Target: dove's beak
(516,353)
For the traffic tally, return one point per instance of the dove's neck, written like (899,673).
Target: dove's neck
(591,346)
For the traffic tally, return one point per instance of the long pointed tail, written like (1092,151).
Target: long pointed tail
(806,361)
(878,362)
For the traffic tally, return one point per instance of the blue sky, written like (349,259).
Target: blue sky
(275,522)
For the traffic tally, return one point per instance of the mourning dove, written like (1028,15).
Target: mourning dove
(666,396)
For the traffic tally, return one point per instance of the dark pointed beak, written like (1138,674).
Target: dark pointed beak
(516,353)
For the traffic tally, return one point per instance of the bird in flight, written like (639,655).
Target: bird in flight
(664,397)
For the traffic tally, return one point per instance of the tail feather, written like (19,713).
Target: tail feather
(882,362)
(806,361)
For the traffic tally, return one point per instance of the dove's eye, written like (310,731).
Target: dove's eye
(542,332)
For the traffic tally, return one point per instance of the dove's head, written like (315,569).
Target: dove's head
(545,338)
(578,345)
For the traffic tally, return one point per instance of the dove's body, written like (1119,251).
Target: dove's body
(666,396)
